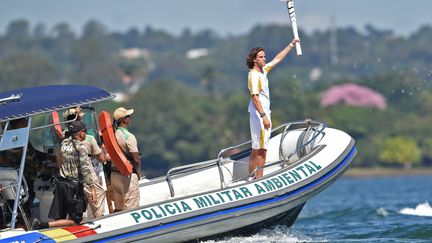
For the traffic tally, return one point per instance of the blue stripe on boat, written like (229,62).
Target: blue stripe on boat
(30,237)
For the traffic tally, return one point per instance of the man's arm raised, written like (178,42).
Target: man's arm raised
(281,55)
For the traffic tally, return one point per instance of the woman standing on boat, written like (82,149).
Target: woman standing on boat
(259,105)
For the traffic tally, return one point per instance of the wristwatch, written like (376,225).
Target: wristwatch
(262,114)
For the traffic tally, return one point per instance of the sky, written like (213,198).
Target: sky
(225,17)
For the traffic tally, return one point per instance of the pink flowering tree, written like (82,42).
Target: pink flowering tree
(353,95)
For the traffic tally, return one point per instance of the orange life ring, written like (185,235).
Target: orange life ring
(117,156)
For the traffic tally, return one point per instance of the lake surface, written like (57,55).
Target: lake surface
(379,209)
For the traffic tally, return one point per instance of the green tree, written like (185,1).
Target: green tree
(18,32)
(132,38)
(400,150)
(26,69)
(94,62)
(427,150)
(63,44)
(176,125)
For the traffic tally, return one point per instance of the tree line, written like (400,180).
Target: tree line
(187,109)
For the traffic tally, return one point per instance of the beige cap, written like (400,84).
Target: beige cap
(122,112)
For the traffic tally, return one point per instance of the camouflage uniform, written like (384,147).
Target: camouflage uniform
(76,168)
(74,158)
(92,145)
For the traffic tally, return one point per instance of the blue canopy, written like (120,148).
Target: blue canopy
(37,100)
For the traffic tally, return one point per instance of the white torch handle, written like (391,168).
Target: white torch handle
(291,11)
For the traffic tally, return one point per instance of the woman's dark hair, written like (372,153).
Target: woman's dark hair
(252,55)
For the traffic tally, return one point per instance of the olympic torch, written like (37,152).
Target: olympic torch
(292,16)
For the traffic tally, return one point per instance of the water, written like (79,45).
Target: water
(381,209)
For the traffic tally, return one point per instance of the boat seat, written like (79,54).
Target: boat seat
(8,179)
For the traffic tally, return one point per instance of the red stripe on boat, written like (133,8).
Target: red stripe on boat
(80,230)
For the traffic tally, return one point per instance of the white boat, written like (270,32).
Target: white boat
(197,201)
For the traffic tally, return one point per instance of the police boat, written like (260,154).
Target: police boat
(197,201)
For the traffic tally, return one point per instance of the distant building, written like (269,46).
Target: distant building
(134,66)
(197,53)
(133,53)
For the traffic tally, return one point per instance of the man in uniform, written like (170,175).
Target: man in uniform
(75,170)
(98,156)
(125,188)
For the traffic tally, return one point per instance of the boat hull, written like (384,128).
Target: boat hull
(238,208)
(279,207)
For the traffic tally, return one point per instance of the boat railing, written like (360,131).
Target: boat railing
(53,124)
(225,150)
(317,129)
(287,127)
(220,161)
(269,164)
(185,169)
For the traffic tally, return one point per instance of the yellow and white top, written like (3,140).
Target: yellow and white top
(258,84)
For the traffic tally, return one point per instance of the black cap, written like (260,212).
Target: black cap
(76,126)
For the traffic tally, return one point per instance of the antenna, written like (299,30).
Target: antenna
(333,42)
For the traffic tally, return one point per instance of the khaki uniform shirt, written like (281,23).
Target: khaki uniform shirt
(74,160)
(92,146)
(126,140)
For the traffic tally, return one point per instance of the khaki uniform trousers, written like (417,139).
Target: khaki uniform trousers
(98,207)
(125,191)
